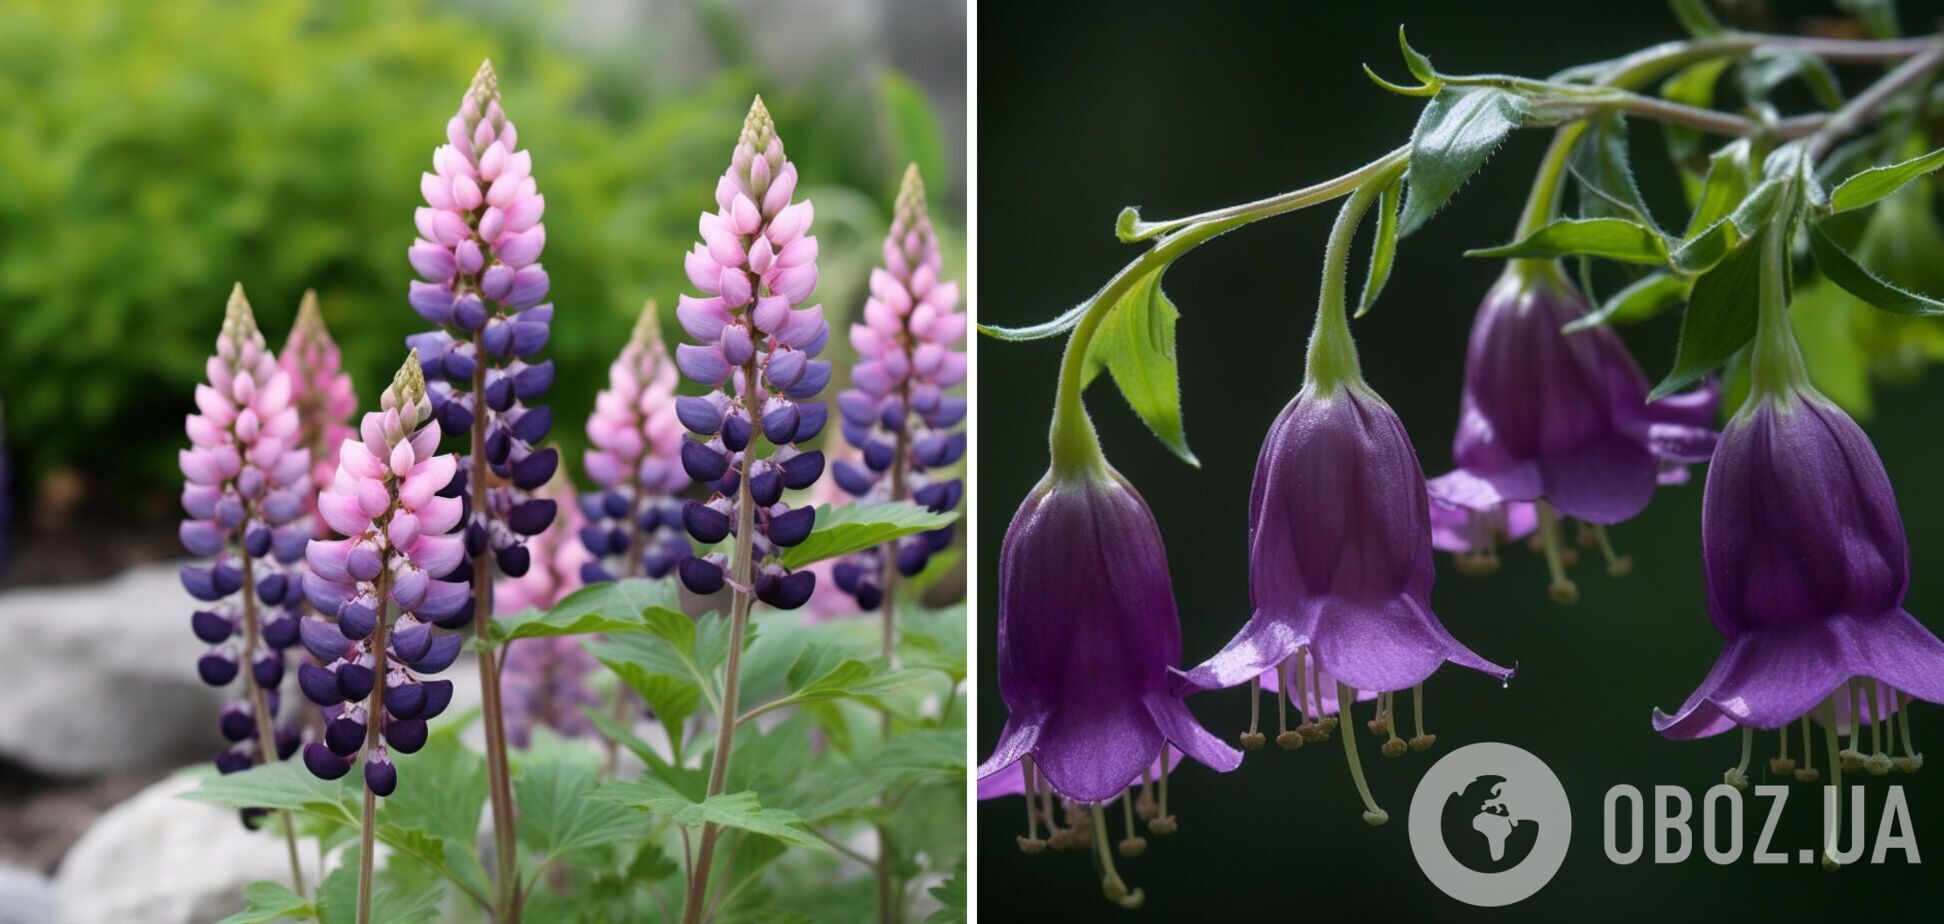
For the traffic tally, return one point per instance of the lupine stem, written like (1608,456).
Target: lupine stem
(260,704)
(742,579)
(499,784)
(368,829)
(890,892)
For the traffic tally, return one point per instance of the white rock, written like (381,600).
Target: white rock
(102,677)
(159,859)
(26,897)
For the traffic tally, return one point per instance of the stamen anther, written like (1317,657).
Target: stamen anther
(1372,815)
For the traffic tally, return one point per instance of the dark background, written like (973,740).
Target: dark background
(1085,108)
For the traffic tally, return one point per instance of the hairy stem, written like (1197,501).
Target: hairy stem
(741,578)
(499,784)
(368,829)
(266,728)
(1858,111)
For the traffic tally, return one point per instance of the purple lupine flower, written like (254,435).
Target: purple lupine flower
(544,680)
(320,389)
(1560,419)
(757,350)
(247,474)
(478,255)
(897,412)
(1807,567)
(636,458)
(388,501)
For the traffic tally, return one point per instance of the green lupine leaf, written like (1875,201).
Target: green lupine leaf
(270,901)
(609,607)
(283,785)
(556,816)
(1458,130)
(1842,269)
(740,810)
(394,899)
(1136,343)
(858,526)
(1615,239)
(1867,187)
(1720,316)
(951,895)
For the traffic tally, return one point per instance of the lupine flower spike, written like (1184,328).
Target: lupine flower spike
(897,412)
(636,459)
(544,680)
(248,473)
(1340,566)
(756,348)
(1555,425)
(398,552)
(1807,567)
(320,389)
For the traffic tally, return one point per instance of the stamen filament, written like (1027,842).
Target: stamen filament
(1737,776)
(1617,565)
(1031,843)
(1133,845)
(1372,815)
(1851,757)
(1285,739)
(1252,739)
(1878,763)
(1911,761)
(1163,823)
(1835,780)
(1145,806)
(1781,764)
(1303,711)
(1563,590)
(1420,741)
(1807,773)
(1110,880)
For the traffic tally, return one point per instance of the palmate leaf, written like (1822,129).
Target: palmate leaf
(610,607)
(1136,344)
(1458,130)
(951,895)
(858,526)
(740,810)
(396,896)
(283,785)
(270,901)
(556,816)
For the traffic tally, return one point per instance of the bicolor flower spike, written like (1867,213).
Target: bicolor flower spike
(897,412)
(1340,566)
(247,474)
(543,681)
(1807,567)
(1554,424)
(636,459)
(482,285)
(388,501)
(756,348)
(321,391)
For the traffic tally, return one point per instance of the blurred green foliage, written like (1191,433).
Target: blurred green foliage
(153,153)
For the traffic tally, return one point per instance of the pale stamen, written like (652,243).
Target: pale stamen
(1110,880)
(1133,845)
(1163,823)
(1807,772)
(1420,741)
(1617,565)
(1737,776)
(1563,590)
(1286,739)
(1252,739)
(1372,815)
(1032,842)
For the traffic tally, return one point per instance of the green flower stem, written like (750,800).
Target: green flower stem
(1332,359)
(1075,446)
(1775,364)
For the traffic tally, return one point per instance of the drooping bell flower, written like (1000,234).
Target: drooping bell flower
(1562,421)
(544,680)
(320,389)
(399,554)
(1340,567)
(897,412)
(756,349)
(636,458)
(247,473)
(1806,565)
(482,286)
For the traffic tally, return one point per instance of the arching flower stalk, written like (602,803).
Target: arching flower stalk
(756,349)
(635,520)
(1807,567)
(897,412)
(320,389)
(544,680)
(478,255)
(247,475)
(399,547)
(1340,567)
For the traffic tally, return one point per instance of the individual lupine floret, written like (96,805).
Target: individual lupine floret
(757,350)
(399,547)
(247,473)
(897,412)
(321,391)
(1340,567)
(1807,568)
(544,680)
(1561,421)
(636,459)
(478,255)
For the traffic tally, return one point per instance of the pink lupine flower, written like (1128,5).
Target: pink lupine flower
(897,410)
(247,475)
(477,255)
(636,457)
(321,391)
(388,501)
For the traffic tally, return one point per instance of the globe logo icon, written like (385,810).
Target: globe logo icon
(1490,824)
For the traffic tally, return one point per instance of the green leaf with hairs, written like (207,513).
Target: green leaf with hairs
(1383,248)
(1647,296)
(1457,131)
(1615,239)
(1867,187)
(1720,316)
(1136,343)
(1842,269)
